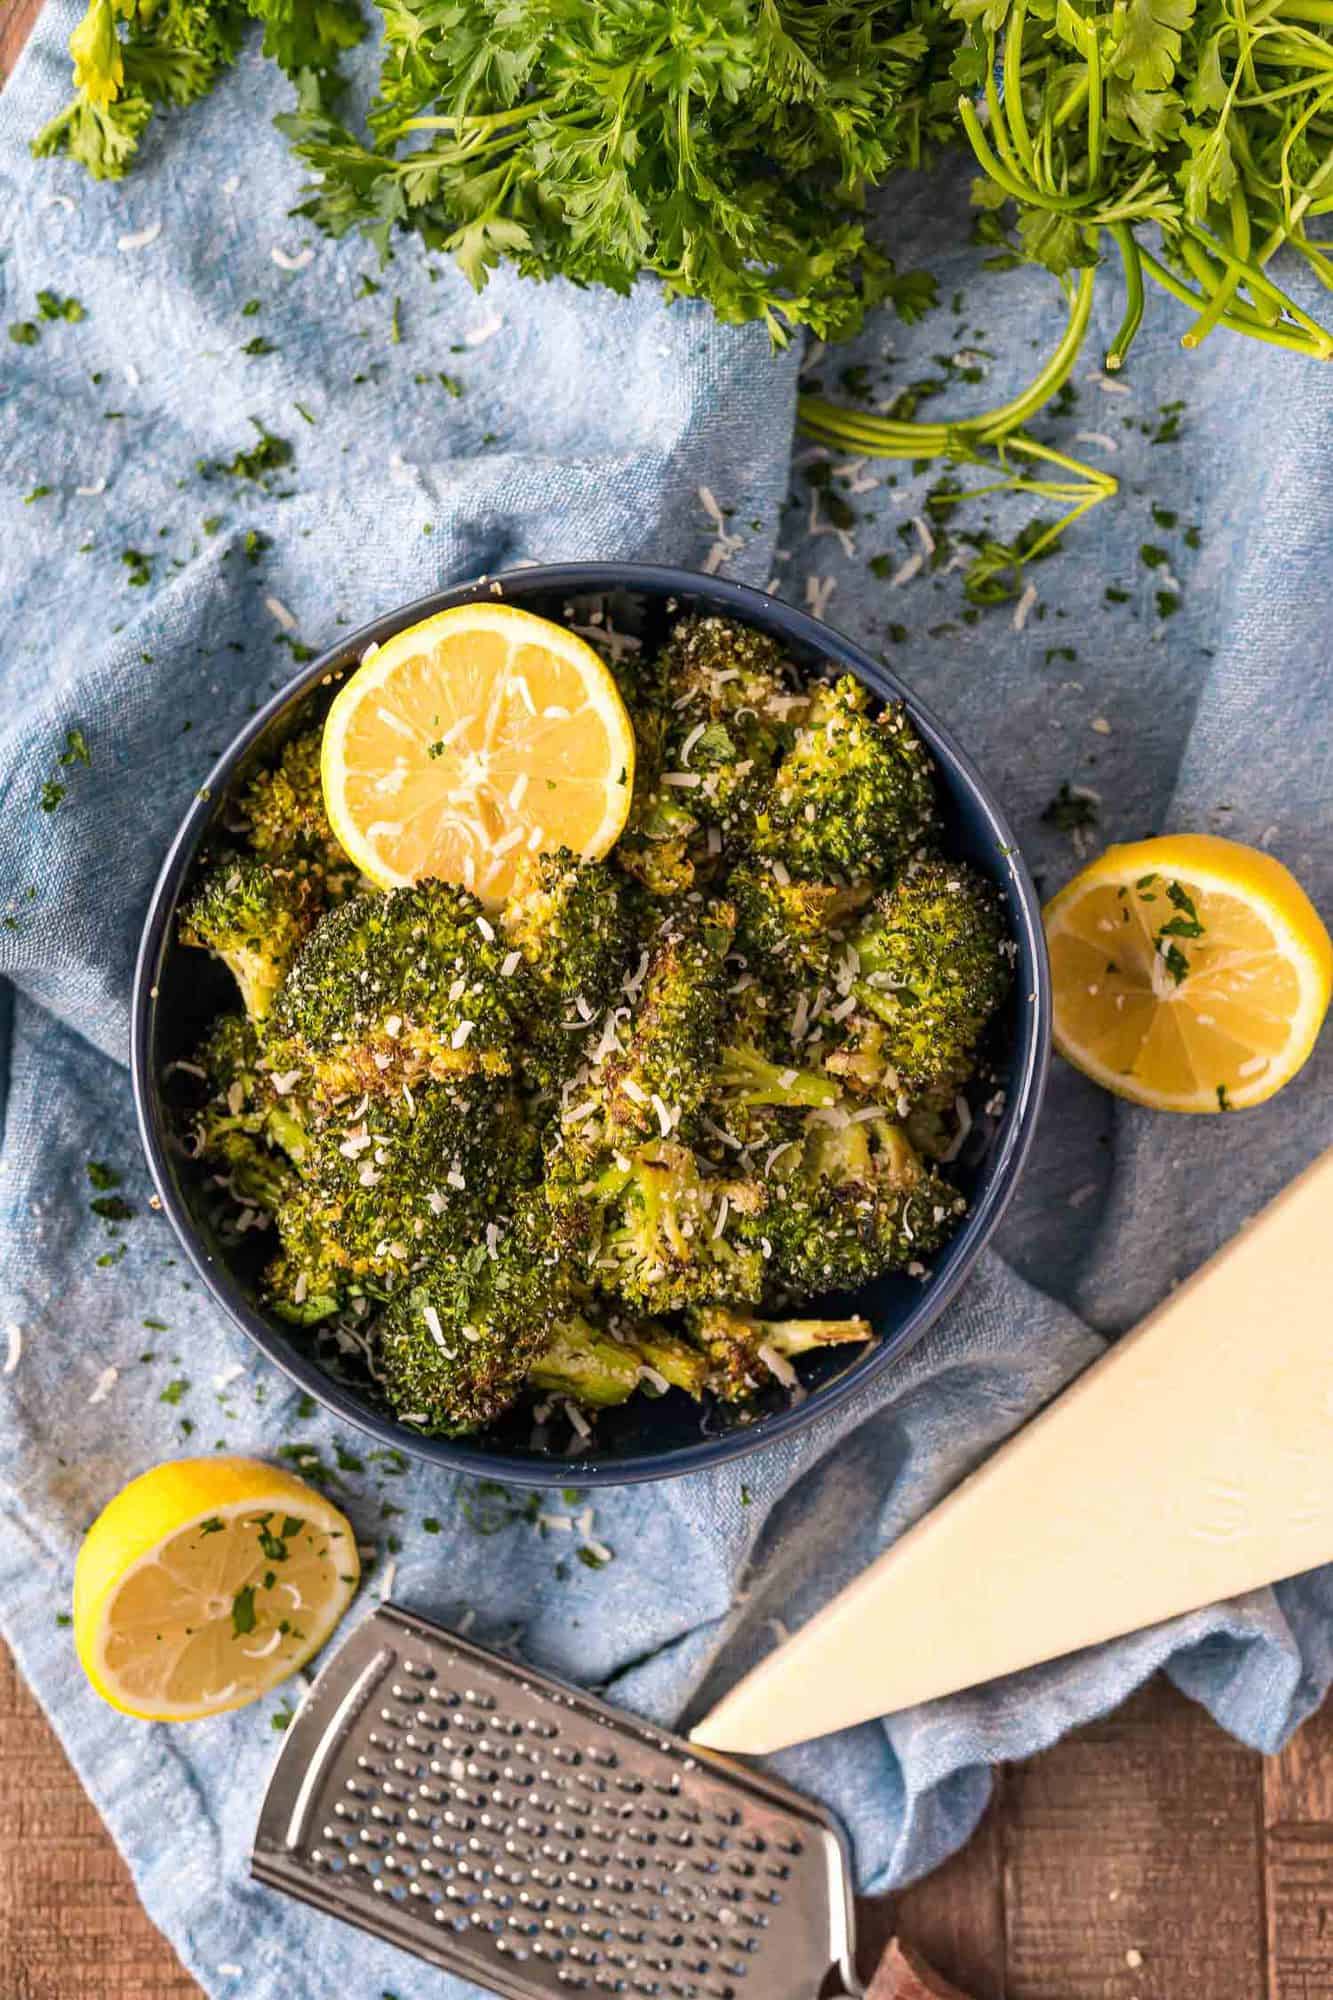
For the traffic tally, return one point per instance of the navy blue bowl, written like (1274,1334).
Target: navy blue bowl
(177,992)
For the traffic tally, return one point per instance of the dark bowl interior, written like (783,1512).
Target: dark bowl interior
(178,992)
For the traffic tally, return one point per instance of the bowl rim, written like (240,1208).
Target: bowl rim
(1025,1089)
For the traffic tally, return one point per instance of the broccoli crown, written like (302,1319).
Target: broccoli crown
(254,916)
(664,1234)
(855,1202)
(657,847)
(568,919)
(300,1289)
(456,1345)
(729,716)
(393,989)
(744,1353)
(931,971)
(258,1176)
(282,810)
(854,793)
(303,1283)
(658,1075)
(229,1057)
(244,1095)
(787,928)
(398,1180)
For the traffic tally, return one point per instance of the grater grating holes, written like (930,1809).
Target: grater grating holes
(580,1863)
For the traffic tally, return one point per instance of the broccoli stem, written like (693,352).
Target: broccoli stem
(587,1366)
(285,1129)
(802,1336)
(750,1078)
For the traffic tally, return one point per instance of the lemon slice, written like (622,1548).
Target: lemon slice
(1191,973)
(204,1583)
(479,736)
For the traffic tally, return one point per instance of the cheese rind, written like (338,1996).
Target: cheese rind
(1191,1462)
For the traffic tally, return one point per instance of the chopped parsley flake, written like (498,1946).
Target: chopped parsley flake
(112,1208)
(52,306)
(1070,811)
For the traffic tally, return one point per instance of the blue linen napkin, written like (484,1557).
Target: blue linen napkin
(150,607)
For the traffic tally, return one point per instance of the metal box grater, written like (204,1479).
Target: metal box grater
(514,1831)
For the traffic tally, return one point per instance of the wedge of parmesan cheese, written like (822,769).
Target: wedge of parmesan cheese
(1192,1462)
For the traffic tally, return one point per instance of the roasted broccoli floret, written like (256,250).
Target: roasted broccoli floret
(258,1176)
(730,713)
(853,1203)
(659,1074)
(567,918)
(662,1234)
(244,1094)
(229,1057)
(303,1283)
(254,916)
(586,1364)
(455,1346)
(394,989)
(853,795)
(283,813)
(403,1179)
(748,1075)
(745,1353)
(931,972)
(598,1368)
(789,929)
(301,1289)
(657,847)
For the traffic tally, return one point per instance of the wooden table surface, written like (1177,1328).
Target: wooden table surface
(1147,1858)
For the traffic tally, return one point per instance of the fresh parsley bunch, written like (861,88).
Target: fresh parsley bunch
(130,55)
(723,145)
(1207,124)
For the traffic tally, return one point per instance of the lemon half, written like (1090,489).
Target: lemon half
(474,738)
(204,1583)
(1191,973)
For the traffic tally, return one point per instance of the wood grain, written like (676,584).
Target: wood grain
(956,1917)
(1298,1839)
(71,1925)
(1133,1862)
(16,19)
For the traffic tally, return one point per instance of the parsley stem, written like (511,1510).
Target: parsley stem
(1210,280)
(481,121)
(1092,56)
(1276,336)
(1261,285)
(1123,237)
(1226,291)
(1013,87)
(884,437)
